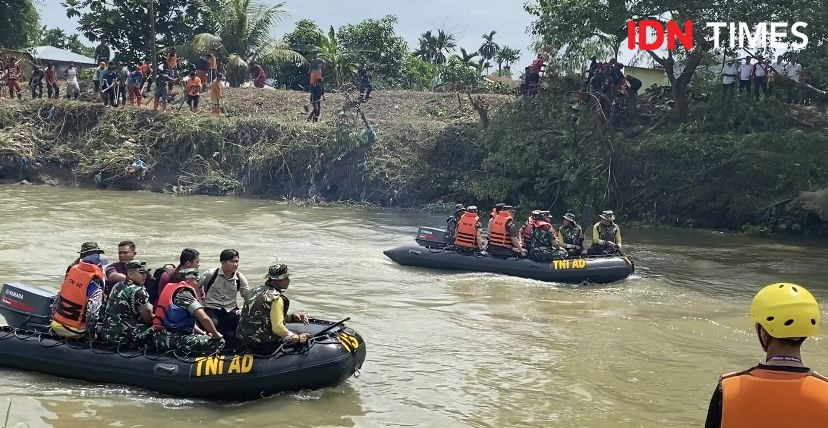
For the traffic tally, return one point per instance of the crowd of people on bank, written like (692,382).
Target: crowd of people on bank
(537,238)
(762,77)
(118,84)
(173,308)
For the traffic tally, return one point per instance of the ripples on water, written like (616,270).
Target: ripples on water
(444,349)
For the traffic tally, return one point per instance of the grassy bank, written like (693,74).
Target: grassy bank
(751,166)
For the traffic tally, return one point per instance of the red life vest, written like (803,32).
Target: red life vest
(71,310)
(168,314)
(759,398)
(499,235)
(467,231)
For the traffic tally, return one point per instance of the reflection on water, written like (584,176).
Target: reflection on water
(445,349)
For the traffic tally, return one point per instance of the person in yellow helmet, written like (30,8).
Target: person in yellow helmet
(782,391)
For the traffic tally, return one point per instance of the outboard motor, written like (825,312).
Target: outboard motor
(430,237)
(26,307)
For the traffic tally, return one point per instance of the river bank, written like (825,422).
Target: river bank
(754,170)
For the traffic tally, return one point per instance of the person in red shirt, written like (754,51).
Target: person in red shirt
(52,82)
(13,74)
(537,65)
(257,74)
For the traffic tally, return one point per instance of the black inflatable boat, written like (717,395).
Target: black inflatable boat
(431,253)
(334,353)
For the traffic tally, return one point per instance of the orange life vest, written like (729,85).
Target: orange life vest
(498,235)
(467,231)
(71,310)
(759,398)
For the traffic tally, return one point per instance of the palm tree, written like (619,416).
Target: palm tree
(468,58)
(489,48)
(242,29)
(500,57)
(428,50)
(445,44)
(433,48)
(510,55)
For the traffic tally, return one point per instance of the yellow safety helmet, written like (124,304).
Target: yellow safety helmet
(786,310)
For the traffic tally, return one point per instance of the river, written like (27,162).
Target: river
(443,349)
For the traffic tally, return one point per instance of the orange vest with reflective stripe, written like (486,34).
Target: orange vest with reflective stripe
(71,310)
(759,398)
(467,231)
(499,236)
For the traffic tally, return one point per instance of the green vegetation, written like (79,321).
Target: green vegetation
(20,24)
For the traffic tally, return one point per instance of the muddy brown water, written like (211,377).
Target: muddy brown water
(444,349)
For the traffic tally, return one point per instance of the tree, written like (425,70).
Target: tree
(303,39)
(20,23)
(377,42)
(125,23)
(53,37)
(433,48)
(468,58)
(606,19)
(458,76)
(58,38)
(340,61)
(242,29)
(489,49)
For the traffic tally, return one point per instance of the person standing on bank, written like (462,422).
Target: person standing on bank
(782,391)
(220,288)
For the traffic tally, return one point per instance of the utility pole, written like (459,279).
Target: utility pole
(152,40)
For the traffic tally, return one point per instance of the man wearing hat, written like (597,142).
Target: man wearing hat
(178,315)
(543,242)
(504,235)
(571,236)
(469,238)
(75,311)
(606,236)
(86,249)
(265,313)
(451,223)
(127,318)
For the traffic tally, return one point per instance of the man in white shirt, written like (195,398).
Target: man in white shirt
(760,77)
(729,77)
(745,75)
(72,86)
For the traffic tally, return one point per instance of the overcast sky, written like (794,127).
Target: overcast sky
(467,19)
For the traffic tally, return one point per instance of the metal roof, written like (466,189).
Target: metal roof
(51,53)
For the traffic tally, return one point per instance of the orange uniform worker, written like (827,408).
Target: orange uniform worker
(75,311)
(193,91)
(504,235)
(468,233)
(782,392)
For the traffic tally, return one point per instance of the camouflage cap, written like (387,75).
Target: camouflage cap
(137,265)
(89,248)
(607,215)
(277,272)
(185,274)
(569,216)
(459,207)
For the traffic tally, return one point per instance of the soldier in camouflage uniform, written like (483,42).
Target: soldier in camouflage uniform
(571,236)
(170,331)
(606,236)
(544,245)
(265,313)
(127,318)
(451,223)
